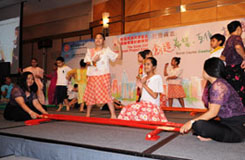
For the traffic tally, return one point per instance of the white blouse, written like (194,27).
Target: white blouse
(175,72)
(102,66)
(156,85)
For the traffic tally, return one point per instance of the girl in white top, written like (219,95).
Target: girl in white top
(98,89)
(148,109)
(174,79)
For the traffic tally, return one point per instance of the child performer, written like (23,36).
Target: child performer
(98,89)
(141,58)
(148,109)
(80,76)
(216,42)
(61,85)
(174,78)
(51,89)
(72,92)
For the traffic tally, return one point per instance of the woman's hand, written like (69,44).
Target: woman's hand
(186,127)
(243,64)
(34,115)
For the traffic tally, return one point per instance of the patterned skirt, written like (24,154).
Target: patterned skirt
(98,90)
(176,91)
(235,75)
(142,111)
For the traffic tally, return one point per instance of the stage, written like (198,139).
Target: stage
(73,140)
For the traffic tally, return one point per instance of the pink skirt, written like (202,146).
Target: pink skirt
(142,111)
(98,90)
(176,91)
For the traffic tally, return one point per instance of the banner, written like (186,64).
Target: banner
(190,43)
(73,52)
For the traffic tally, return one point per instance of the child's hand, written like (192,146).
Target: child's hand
(166,64)
(96,58)
(143,81)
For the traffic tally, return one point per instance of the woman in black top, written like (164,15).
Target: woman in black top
(23,104)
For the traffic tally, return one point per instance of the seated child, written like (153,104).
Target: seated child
(6,89)
(148,109)
(72,93)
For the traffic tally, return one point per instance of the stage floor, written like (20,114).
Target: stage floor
(73,140)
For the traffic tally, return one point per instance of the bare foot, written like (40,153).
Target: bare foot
(87,115)
(59,109)
(81,110)
(113,117)
(67,108)
(204,139)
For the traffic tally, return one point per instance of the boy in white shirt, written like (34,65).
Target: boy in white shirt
(61,84)
(216,42)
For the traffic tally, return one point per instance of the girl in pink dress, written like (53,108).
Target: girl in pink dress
(148,109)
(51,89)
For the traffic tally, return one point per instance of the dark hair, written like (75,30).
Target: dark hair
(60,59)
(100,34)
(219,37)
(177,59)
(17,28)
(214,67)
(233,26)
(153,61)
(142,54)
(75,85)
(34,59)
(82,63)
(147,51)
(22,83)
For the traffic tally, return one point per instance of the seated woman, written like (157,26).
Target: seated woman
(148,109)
(23,104)
(222,101)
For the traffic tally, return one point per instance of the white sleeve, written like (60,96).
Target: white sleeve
(87,56)
(168,71)
(112,55)
(178,72)
(157,85)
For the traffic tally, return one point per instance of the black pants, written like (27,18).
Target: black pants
(226,130)
(61,94)
(16,113)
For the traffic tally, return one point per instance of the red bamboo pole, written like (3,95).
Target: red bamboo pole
(183,109)
(102,120)
(156,126)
